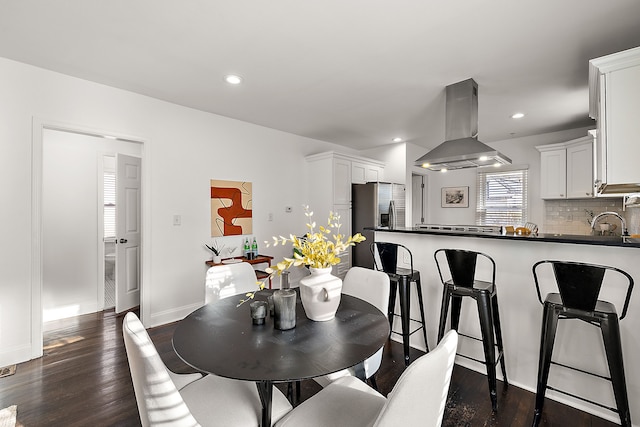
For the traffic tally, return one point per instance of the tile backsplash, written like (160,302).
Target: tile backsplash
(574,216)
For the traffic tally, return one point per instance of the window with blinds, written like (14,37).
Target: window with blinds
(109,205)
(502,197)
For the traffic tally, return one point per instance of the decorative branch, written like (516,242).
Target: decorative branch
(215,248)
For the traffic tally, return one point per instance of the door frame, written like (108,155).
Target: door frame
(36,279)
(425,196)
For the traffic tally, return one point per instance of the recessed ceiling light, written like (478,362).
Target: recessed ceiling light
(497,165)
(517,116)
(233,79)
(483,158)
(426,165)
(443,170)
(397,139)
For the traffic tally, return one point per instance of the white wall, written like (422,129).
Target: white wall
(394,156)
(183,150)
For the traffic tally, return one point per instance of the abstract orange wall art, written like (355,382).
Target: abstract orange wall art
(231,208)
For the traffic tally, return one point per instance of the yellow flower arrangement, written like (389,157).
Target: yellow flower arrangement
(317,249)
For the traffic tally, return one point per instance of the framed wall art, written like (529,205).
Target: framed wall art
(231,208)
(455,197)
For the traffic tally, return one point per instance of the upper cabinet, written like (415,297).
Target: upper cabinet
(363,172)
(342,176)
(614,101)
(580,169)
(331,174)
(566,169)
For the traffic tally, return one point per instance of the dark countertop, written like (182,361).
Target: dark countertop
(627,242)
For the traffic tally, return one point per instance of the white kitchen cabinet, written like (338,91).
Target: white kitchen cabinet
(553,174)
(614,101)
(566,169)
(341,181)
(361,173)
(330,176)
(580,169)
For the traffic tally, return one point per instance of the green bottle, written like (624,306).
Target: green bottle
(247,248)
(254,248)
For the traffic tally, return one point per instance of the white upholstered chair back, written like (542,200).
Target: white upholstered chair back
(159,401)
(420,394)
(223,281)
(417,400)
(372,286)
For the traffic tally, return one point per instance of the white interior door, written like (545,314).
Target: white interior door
(128,227)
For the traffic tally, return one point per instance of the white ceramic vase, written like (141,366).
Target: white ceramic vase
(320,294)
(216,259)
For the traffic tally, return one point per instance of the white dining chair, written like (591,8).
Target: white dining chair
(417,399)
(209,401)
(223,281)
(371,286)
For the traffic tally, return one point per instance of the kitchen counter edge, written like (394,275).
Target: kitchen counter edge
(625,242)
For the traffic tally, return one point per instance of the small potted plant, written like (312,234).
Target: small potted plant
(215,250)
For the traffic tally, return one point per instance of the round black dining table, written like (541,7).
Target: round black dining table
(221,339)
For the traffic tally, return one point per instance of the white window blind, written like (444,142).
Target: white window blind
(502,197)
(109,205)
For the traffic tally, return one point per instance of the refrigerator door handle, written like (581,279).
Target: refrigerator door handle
(392,215)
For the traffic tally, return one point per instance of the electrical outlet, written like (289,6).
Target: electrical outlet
(177,220)
(270,217)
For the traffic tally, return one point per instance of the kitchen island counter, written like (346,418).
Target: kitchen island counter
(541,237)
(577,343)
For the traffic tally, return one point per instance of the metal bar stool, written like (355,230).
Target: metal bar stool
(463,283)
(579,286)
(402,278)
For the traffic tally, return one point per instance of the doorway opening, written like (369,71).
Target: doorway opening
(109,230)
(73,257)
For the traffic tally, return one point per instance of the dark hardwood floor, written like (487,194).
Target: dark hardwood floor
(83,380)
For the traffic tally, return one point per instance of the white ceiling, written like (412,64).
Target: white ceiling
(353,72)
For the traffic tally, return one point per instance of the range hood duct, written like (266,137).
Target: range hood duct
(461,148)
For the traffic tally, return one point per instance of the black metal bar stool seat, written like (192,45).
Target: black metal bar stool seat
(462,267)
(401,277)
(579,286)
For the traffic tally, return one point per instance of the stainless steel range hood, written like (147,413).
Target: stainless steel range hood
(461,148)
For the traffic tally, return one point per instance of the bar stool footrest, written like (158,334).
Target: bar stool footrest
(480,360)
(500,353)
(410,333)
(410,320)
(581,370)
(615,410)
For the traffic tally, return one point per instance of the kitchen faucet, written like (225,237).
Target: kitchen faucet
(623,223)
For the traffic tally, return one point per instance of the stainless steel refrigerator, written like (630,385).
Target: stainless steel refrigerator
(374,204)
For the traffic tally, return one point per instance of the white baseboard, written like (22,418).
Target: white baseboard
(14,355)
(172,315)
